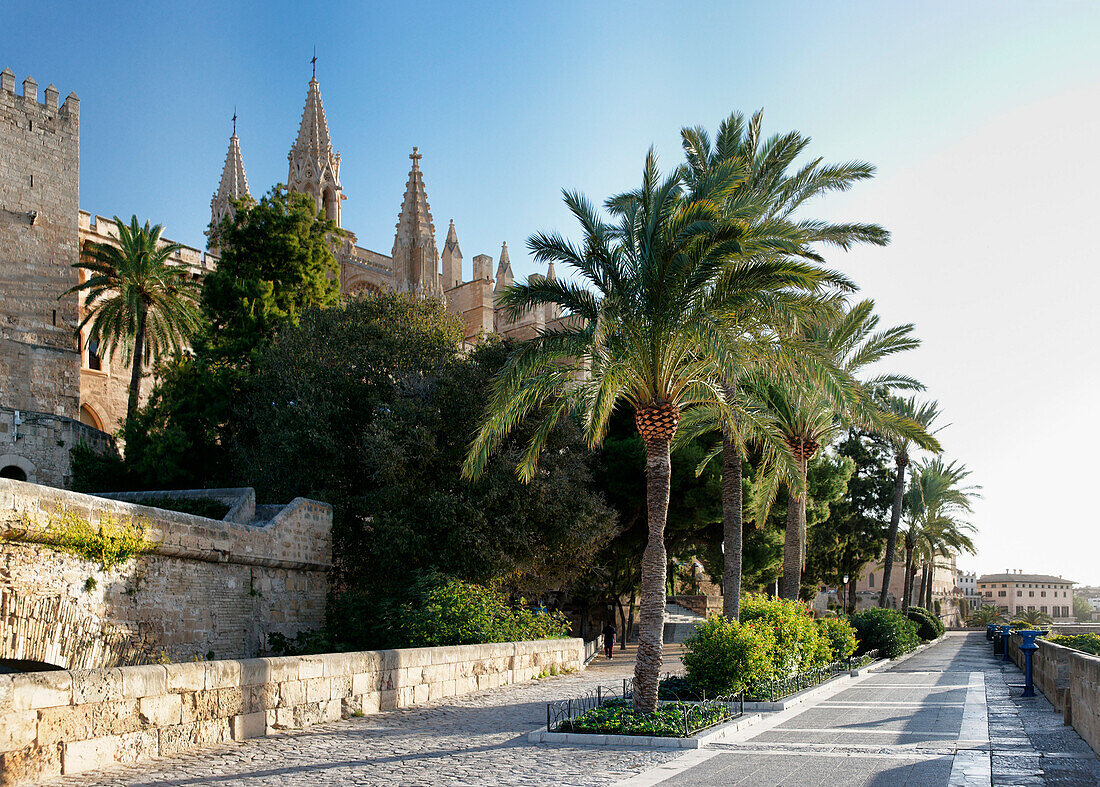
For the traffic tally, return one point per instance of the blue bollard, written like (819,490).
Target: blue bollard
(1006,632)
(1028,648)
(989,627)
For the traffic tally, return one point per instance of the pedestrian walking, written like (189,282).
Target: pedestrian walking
(609,640)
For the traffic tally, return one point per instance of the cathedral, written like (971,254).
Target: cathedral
(56,388)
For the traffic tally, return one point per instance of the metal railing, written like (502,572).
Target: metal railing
(779,688)
(592,648)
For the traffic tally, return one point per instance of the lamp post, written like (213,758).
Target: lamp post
(1028,648)
(844,601)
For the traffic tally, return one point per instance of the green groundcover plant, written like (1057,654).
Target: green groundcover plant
(669,720)
(886,630)
(1089,643)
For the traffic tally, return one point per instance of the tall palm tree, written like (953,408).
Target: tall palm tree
(810,415)
(937,504)
(136,300)
(769,193)
(643,334)
(924,413)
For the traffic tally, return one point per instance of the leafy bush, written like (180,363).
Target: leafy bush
(1089,643)
(111,544)
(723,656)
(799,642)
(840,636)
(929,626)
(618,717)
(885,630)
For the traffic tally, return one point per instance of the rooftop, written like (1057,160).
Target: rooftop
(1020,577)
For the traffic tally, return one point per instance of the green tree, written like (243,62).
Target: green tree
(985,614)
(276,260)
(642,335)
(1081,609)
(924,413)
(1033,618)
(136,300)
(769,193)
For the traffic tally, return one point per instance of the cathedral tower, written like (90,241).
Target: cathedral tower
(234,184)
(415,258)
(314,166)
(452,259)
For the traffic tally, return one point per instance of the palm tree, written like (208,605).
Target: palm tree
(984,615)
(1033,618)
(937,504)
(809,415)
(136,300)
(644,333)
(924,414)
(768,194)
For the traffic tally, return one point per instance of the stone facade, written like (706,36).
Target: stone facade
(65,722)
(205,586)
(1014,592)
(46,369)
(36,447)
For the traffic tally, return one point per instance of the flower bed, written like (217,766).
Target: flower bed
(670,720)
(1087,643)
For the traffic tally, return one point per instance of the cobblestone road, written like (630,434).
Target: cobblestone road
(479,739)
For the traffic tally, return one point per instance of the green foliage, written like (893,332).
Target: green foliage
(984,615)
(799,642)
(723,656)
(840,635)
(1088,643)
(110,544)
(205,507)
(929,626)
(276,261)
(1033,618)
(669,720)
(1081,609)
(886,630)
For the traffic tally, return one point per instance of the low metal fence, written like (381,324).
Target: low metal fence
(779,688)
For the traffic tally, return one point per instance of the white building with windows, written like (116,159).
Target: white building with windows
(1014,592)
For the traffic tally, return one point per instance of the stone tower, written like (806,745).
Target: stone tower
(452,259)
(504,269)
(234,184)
(415,258)
(39,192)
(314,166)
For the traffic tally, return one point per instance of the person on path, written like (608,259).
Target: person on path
(609,641)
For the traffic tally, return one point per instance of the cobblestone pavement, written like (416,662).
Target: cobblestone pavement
(479,739)
(949,715)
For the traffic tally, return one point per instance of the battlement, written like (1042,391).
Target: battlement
(103,230)
(70,110)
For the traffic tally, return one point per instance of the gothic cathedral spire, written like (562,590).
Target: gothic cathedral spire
(452,259)
(234,184)
(415,258)
(314,166)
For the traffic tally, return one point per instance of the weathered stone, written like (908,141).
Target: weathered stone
(18,729)
(96,685)
(30,764)
(41,690)
(186,676)
(223,674)
(195,735)
(163,711)
(144,681)
(310,667)
(199,706)
(318,689)
(230,701)
(249,725)
(85,755)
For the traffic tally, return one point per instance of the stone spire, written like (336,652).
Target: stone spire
(504,269)
(452,259)
(314,166)
(415,258)
(234,184)
(553,311)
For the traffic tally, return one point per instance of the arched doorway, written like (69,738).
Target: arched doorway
(13,472)
(88,417)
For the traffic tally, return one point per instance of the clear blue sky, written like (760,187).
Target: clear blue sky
(981,116)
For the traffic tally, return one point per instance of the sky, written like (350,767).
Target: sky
(982,118)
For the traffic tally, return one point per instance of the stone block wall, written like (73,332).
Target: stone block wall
(65,722)
(1084,692)
(206,586)
(39,193)
(40,445)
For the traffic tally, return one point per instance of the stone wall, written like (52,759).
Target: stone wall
(64,722)
(1070,679)
(40,445)
(206,587)
(39,192)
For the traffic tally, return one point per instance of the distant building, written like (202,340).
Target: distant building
(1014,592)
(967,583)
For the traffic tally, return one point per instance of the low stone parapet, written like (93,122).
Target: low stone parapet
(63,722)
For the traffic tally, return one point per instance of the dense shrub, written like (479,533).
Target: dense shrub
(799,642)
(885,630)
(928,625)
(723,656)
(840,636)
(1089,643)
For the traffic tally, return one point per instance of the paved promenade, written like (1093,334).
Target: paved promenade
(950,715)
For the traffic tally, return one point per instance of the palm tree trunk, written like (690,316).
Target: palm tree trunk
(903,602)
(135,373)
(792,542)
(892,534)
(647,669)
(629,623)
(931,575)
(731,526)
(923,581)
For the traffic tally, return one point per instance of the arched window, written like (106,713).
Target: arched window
(13,472)
(330,204)
(88,417)
(870,580)
(93,361)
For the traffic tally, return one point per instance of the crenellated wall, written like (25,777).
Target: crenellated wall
(207,586)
